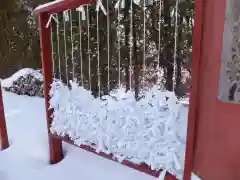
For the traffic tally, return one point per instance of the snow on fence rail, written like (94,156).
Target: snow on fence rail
(151,131)
(111,66)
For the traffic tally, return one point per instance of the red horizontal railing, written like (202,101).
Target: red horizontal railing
(56,7)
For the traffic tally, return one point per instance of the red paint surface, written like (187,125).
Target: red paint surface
(55,145)
(217,149)
(62,6)
(3,128)
(193,107)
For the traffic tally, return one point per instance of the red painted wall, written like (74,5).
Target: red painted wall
(216,145)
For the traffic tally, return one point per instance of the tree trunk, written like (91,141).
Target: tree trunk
(127,39)
(168,45)
(136,61)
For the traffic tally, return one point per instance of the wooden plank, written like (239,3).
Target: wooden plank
(3,127)
(193,101)
(55,145)
(60,6)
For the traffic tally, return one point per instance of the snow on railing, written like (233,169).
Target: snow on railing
(142,132)
(47,4)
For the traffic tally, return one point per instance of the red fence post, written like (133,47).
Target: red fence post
(3,127)
(55,145)
(193,101)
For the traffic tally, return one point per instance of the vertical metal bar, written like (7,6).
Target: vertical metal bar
(119,45)
(89,55)
(98,57)
(175,47)
(80,46)
(193,104)
(55,145)
(108,45)
(3,127)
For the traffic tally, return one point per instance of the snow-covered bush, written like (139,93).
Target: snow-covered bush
(142,132)
(25,82)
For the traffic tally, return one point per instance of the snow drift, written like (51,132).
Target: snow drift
(25,82)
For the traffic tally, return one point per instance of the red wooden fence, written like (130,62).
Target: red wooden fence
(55,142)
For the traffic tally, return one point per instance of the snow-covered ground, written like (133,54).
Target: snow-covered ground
(27,157)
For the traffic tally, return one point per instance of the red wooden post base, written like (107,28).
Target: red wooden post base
(56,150)
(3,127)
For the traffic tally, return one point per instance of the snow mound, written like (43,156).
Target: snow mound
(25,82)
(144,131)
(22,73)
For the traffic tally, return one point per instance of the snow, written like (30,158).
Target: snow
(28,152)
(23,72)
(47,4)
(195,177)
(152,130)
